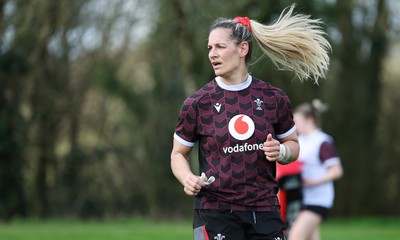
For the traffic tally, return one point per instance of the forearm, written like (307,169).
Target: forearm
(180,166)
(334,172)
(181,169)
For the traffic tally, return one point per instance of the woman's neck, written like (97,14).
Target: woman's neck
(234,79)
(310,130)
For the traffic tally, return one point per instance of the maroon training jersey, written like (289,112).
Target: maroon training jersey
(231,123)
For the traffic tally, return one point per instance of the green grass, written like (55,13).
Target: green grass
(137,229)
(361,229)
(108,230)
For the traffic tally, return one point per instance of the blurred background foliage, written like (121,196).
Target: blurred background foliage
(90,91)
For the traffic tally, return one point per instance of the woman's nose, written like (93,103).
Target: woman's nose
(212,54)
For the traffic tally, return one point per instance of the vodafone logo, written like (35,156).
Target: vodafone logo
(241,127)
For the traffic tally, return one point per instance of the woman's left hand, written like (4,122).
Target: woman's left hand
(271,148)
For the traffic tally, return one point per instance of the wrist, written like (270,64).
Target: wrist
(284,154)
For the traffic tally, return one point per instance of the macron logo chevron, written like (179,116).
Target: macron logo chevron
(218,107)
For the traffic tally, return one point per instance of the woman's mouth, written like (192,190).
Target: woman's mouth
(216,64)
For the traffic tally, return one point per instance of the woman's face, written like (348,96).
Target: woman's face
(301,123)
(224,54)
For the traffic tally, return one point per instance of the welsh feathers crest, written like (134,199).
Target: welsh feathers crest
(258,102)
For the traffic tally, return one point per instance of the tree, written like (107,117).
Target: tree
(12,137)
(356,94)
(90,92)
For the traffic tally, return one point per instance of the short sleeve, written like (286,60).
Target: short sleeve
(285,125)
(185,131)
(327,154)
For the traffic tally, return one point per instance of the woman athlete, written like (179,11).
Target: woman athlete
(243,126)
(320,166)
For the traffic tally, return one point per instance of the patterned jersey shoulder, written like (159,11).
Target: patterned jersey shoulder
(199,94)
(185,130)
(259,84)
(277,100)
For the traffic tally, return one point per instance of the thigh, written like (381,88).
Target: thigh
(266,226)
(316,234)
(305,225)
(217,224)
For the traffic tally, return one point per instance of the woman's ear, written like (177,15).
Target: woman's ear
(244,48)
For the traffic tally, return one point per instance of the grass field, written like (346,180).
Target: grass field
(135,229)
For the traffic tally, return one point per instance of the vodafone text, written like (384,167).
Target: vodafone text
(243,148)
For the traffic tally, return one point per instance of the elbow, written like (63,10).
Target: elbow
(295,155)
(173,157)
(173,160)
(339,172)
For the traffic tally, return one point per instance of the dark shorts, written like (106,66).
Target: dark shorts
(322,211)
(227,225)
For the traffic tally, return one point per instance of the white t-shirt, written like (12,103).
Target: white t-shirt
(317,154)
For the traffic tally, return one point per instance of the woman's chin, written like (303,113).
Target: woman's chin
(219,73)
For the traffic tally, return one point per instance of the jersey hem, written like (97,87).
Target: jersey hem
(319,204)
(331,161)
(183,141)
(244,209)
(286,134)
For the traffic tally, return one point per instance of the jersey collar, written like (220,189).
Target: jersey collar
(237,87)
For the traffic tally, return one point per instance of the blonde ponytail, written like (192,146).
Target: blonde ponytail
(312,110)
(319,106)
(295,43)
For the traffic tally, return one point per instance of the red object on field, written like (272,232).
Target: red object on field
(282,201)
(283,171)
(288,169)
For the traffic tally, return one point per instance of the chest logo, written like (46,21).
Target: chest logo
(241,127)
(217,106)
(258,102)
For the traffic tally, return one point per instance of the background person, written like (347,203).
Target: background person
(320,167)
(243,126)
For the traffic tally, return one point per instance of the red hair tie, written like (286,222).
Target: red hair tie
(243,20)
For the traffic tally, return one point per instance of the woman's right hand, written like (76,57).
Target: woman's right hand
(192,185)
